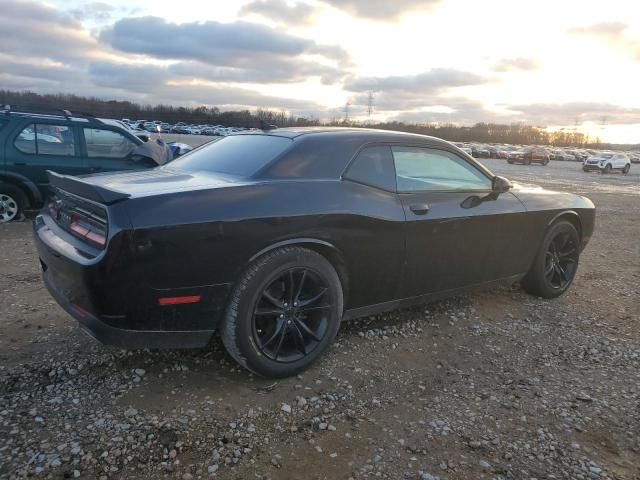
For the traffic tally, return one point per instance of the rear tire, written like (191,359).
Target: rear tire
(626,169)
(283,313)
(13,202)
(556,262)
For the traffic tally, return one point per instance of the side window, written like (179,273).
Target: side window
(46,139)
(54,140)
(374,166)
(26,139)
(425,169)
(107,143)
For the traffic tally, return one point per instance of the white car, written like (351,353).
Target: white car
(607,162)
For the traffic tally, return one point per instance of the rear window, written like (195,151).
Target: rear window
(238,155)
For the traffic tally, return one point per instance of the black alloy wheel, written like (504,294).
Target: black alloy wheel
(556,263)
(291,316)
(284,312)
(561,261)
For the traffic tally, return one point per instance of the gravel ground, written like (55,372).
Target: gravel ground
(495,385)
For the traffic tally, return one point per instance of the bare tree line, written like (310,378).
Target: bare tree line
(480,132)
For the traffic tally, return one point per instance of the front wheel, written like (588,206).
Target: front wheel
(607,169)
(284,312)
(556,262)
(626,169)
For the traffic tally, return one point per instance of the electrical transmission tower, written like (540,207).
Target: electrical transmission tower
(370,104)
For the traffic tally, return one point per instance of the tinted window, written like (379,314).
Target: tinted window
(46,139)
(374,166)
(423,169)
(238,155)
(107,143)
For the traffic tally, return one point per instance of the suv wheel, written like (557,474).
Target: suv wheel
(626,169)
(12,202)
(607,168)
(283,313)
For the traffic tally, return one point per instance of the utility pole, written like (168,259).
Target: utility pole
(346,111)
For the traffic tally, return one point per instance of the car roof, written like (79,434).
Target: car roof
(369,134)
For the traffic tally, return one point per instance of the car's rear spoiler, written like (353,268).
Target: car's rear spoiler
(78,186)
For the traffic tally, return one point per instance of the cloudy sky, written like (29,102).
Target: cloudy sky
(568,63)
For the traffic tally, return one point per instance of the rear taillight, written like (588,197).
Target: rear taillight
(88,228)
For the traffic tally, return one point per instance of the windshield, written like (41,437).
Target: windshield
(237,155)
(606,155)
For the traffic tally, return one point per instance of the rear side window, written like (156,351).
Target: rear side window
(238,155)
(374,166)
(103,143)
(46,139)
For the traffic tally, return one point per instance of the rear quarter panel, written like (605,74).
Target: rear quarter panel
(207,237)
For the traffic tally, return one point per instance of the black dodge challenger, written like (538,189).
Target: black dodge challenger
(273,237)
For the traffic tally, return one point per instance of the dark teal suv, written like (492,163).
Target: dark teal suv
(67,143)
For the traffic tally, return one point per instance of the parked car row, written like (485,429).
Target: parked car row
(157,126)
(592,160)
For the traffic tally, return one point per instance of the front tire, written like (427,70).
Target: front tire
(13,202)
(607,169)
(284,312)
(556,262)
(626,169)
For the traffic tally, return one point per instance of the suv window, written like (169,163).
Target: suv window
(46,139)
(107,143)
(374,166)
(425,169)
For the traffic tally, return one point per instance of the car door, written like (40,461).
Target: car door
(35,147)
(109,150)
(451,213)
(372,237)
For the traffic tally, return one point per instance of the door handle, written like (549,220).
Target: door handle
(419,208)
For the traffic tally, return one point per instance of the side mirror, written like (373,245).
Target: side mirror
(501,185)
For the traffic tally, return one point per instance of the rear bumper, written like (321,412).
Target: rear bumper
(111,300)
(125,338)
